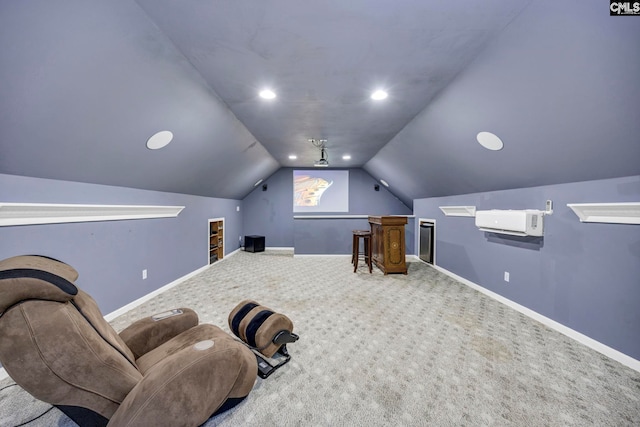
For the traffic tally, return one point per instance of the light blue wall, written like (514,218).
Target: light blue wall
(270,213)
(585,276)
(110,255)
(334,236)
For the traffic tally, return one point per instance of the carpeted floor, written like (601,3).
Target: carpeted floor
(375,350)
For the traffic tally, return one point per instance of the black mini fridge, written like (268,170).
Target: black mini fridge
(426,242)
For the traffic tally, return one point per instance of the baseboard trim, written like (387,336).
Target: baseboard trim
(321,255)
(408,258)
(231,254)
(559,327)
(109,317)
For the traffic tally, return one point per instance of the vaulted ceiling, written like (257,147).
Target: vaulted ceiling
(83,85)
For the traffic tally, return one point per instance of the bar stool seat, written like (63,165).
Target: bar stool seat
(355,255)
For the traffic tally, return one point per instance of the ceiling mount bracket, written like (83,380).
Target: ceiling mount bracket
(324,158)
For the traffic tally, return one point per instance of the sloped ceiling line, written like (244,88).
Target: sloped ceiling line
(538,74)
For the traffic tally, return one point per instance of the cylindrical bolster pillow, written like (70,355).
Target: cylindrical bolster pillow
(257,325)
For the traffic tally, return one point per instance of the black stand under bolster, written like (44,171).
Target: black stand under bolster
(266,368)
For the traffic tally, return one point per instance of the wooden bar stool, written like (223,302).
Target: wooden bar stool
(355,255)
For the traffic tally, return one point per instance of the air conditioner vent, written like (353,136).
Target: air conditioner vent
(513,222)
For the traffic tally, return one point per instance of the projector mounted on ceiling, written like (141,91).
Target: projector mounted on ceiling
(323,162)
(324,158)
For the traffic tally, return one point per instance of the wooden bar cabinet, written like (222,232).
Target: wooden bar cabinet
(387,241)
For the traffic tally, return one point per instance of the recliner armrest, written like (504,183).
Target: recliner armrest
(188,386)
(146,334)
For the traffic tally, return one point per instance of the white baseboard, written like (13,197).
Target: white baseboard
(268,248)
(322,255)
(109,317)
(408,258)
(231,254)
(581,338)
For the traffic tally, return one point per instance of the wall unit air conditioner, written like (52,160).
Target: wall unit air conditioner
(513,222)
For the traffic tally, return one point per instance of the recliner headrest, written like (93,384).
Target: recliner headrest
(28,277)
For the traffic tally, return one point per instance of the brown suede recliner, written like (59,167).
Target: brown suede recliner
(162,371)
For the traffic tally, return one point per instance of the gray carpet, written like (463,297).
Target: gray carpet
(375,350)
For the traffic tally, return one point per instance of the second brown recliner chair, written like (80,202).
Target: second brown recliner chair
(164,370)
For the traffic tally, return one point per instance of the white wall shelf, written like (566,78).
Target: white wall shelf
(458,210)
(45,213)
(616,213)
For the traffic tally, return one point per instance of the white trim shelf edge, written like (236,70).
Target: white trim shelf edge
(615,213)
(47,213)
(458,210)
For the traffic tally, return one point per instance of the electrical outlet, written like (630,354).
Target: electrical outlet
(144,274)
(506,276)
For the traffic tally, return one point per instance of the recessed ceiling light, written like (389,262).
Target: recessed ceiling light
(292,157)
(383,182)
(267,94)
(346,157)
(490,141)
(379,95)
(159,140)
(257,183)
